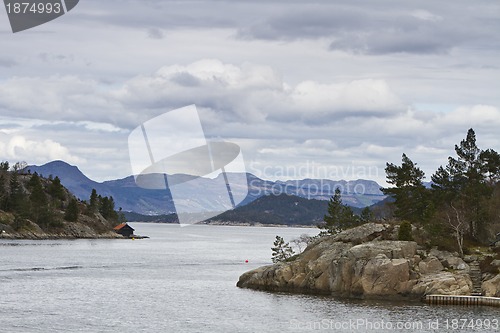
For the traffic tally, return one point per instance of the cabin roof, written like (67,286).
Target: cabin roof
(122,225)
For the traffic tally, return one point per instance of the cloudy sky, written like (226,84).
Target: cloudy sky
(320,89)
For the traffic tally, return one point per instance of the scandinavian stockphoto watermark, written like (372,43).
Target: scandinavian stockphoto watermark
(313,180)
(171,153)
(26,14)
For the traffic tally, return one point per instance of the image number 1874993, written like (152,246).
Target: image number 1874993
(26,14)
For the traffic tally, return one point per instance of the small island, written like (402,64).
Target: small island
(35,207)
(369,261)
(440,238)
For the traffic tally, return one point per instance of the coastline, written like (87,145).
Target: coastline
(52,236)
(369,262)
(256,224)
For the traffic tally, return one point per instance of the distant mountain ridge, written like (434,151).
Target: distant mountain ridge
(130,197)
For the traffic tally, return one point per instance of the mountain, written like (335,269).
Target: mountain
(71,177)
(276,209)
(125,192)
(165,218)
(355,193)
(130,197)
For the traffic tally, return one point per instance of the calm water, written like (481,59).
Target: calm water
(183,280)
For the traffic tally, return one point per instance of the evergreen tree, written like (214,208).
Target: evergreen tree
(490,166)
(4,193)
(94,201)
(38,199)
(466,182)
(366,215)
(339,217)
(107,208)
(56,190)
(4,166)
(72,211)
(410,195)
(16,199)
(281,250)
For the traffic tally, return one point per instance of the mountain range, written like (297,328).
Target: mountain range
(132,198)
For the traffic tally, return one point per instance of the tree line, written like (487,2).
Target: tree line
(45,201)
(461,204)
(463,199)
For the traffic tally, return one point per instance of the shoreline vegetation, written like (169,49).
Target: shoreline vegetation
(35,207)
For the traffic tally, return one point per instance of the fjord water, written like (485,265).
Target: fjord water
(183,280)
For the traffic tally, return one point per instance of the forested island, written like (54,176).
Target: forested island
(442,239)
(35,207)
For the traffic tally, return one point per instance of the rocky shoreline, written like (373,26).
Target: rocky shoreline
(255,224)
(368,262)
(48,236)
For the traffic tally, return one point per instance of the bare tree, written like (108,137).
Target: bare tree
(302,242)
(458,223)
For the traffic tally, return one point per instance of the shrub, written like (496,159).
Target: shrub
(404,233)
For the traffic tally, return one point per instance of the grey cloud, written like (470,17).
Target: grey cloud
(419,41)
(163,14)
(7,62)
(155,33)
(375,29)
(50,57)
(186,80)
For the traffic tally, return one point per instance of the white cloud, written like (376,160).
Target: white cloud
(20,148)
(476,115)
(426,15)
(255,93)
(359,97)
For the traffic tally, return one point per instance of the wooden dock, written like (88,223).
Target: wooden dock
(462,300)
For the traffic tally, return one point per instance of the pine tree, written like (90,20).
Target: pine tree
(56,190)
(366,215)
(410,195)
(339,217)
(17,199)
(466,182)
(4,193)
(107,208)
(281,250)
(4,166)
(490,166)
(72,211)
(38,198)
(94,201)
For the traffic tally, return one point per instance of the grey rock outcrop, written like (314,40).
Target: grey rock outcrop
(430,265)
(362,262)
(491,287)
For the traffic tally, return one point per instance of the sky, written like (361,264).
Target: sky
(307,89)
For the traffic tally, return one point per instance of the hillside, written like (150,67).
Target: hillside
(165,218)
(131,198)
(34,207)
(275,209)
